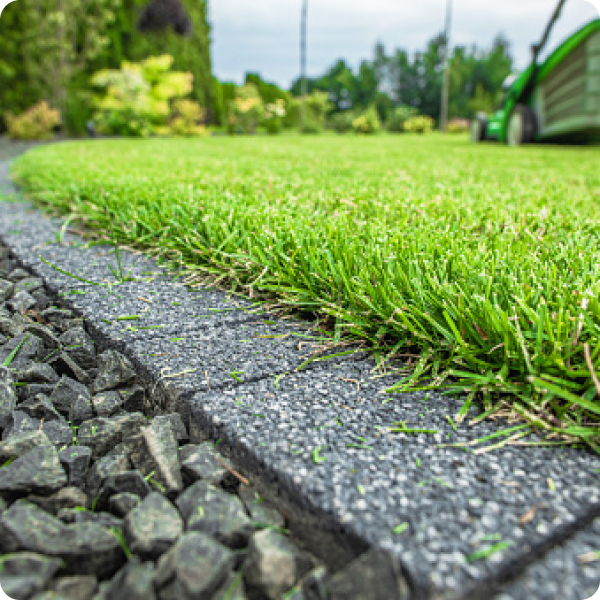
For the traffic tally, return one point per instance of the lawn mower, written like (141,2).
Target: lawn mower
(557,100)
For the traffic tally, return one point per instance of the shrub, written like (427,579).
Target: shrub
(367,123)
(36,123)
(292,114)
(316,106)
(341,121)
(78,110)
(457,125)
(273,116)
(419,124)
(137,100)
(310,126)
(399,116)
(187,119)
(246,110)
(232,127)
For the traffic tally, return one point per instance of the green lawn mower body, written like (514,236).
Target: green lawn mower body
(556,101)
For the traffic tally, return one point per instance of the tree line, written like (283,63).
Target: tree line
(398,78)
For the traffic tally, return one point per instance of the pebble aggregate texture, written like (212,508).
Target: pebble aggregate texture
(372,514)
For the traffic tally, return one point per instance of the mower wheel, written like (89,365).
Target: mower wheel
(522,126)
(477,129)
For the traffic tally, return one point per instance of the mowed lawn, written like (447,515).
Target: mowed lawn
(482,260)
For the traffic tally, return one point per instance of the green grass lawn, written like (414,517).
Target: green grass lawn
(481,260)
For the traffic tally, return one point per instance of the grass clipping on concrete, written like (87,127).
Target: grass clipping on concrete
(480,260)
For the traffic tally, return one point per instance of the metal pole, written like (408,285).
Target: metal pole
(446,79)
(303,59)
(539,47)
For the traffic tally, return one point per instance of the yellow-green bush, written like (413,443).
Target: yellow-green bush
(341,121)
(457,125)
(419,124)
(367,123)
(316,107)
(273,116)
(399,116)
(137,100)
(246,110)
(187,120)
(36,123)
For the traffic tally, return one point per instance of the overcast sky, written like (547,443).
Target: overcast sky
(263,35)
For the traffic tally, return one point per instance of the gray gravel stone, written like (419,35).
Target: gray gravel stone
(5,328)
(114,370)
(154,450)
(21,302)
(174,421)
(132,582)
(107,404)
(102,434)
(38,373)
(194,567)
(61,318)
(18,274)
(77,587)
(273,565)
(375,575)
(40,407)
(14,325)
(130,482)
(86,548)
(37,471)
(81,410)
(6,289)
(80,347)
(152,527)
(212,511)
(202,462)
(65,392)
(25,392)
(8,396)
(75,461)
(18,424)
(133,398)
(104,468)
(21,444)
(26,573)
(30,349)
(261,511)
(28,284)
(67,497)
(65,364)
(58,432)
(313,585)
(44,333)
(103,519)
(120,504)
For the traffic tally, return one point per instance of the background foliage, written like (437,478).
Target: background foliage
(398,79)
(50,48)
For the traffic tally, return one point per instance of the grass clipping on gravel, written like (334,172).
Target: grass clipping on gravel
(480,259)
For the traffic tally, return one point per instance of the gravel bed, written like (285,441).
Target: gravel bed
(100,499)
(371,513)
